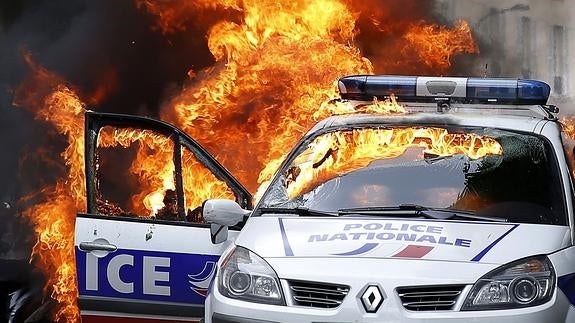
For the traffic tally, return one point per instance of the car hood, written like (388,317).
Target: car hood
(458,241)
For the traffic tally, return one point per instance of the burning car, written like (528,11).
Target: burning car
(457,206)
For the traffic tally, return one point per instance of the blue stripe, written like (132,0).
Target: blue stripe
(175,275)
(363,249)
(287,247)
(567,285)
(486,250)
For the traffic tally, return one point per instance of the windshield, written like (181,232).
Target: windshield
(485,171)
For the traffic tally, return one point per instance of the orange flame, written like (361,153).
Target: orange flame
(333,107)
(435,45)
(154,169)
(275,73)
(108,83)
(568,125)
(200,184)
(173,16)
(276,63)
(53,219)
(153,165)
(337,153)
(336,107)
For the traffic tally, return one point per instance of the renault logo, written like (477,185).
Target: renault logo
(372,298)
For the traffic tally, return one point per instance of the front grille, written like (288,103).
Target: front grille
(321,295)
(430,298)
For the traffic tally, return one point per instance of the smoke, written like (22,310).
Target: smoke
(104,48)
(108,51)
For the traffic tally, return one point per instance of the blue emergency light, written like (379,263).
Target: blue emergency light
(451,89)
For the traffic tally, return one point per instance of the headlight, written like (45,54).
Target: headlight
(246,276)
(523,283)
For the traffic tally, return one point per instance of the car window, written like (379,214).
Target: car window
(135,174)
(136,177)
(490,172)
(199,185)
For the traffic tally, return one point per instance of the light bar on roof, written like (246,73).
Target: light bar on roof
(454,89)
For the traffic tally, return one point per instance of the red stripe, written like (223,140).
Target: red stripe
(413,251)
(110,319)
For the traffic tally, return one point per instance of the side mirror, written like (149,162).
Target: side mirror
(218,233)
(222,214)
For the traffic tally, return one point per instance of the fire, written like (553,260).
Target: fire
(435,45)
(200,184)
(337,153)
(276,66)
(568,125)
(336,107)
(53,102)
(276,63)
(54,218)
(154,170)
(108,84)
(153,165)
(332,107)
(174,15)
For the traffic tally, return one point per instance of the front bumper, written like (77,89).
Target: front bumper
(220,309)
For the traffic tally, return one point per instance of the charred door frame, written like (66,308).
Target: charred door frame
(94,121)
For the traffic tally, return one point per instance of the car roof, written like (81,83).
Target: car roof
(523,119)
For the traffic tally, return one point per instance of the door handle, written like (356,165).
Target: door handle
(97,246)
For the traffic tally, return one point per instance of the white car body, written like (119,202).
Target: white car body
(444,253)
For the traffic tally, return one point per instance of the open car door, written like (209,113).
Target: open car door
(143,250)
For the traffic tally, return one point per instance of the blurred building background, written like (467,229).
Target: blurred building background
(523,38)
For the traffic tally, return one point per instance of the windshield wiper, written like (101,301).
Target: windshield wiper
(414,210)
(301,211)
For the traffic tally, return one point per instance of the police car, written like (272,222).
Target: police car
(460,209)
